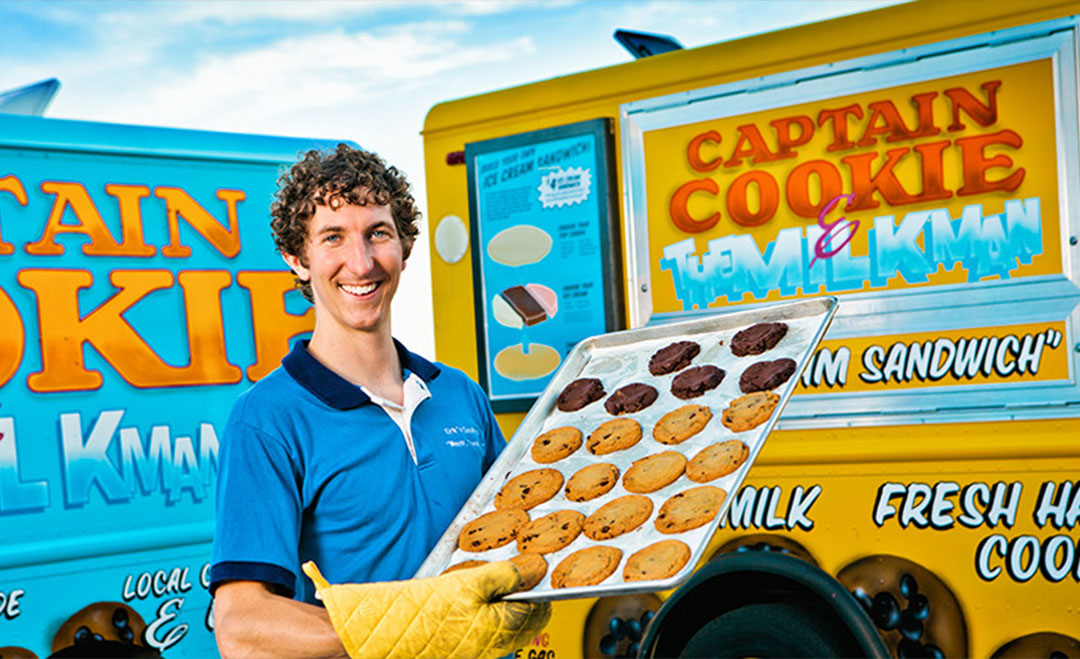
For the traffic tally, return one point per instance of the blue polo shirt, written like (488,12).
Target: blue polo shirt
(312,469)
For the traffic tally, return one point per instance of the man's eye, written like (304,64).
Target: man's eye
(332,238)
(380,233)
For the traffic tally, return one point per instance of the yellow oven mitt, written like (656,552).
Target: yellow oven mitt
(444,617)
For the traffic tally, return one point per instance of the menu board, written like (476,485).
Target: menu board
(545,253)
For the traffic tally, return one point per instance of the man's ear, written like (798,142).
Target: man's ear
(298,268)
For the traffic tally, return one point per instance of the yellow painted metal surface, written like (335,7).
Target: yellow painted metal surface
(894,472)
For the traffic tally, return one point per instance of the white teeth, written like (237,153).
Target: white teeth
(359,290)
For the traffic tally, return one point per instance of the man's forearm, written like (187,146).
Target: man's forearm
(251,621)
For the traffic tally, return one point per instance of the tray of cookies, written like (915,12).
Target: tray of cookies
(620,473)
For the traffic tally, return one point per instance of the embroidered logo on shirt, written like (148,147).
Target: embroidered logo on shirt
(462,436)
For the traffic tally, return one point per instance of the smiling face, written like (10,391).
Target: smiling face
(353,258)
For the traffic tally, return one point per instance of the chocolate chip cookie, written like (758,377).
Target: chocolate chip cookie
(659,560)
(492,530)
(618,517)
(694,382)
(654,472)
(681,424)
(532,568)
(529,489)
(586,567)
(551,532)
(750,410)
(719,459)
(614,435)
(592,481)
(556,444)
(690,509)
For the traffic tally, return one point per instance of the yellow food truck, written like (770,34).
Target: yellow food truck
(921,493)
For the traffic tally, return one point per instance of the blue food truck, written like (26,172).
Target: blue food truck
(139,294)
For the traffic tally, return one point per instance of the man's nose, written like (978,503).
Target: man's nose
(361,257)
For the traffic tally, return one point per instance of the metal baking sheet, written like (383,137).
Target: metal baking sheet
(618,359)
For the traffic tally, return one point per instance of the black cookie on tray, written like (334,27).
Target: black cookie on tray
(580,393)
(766,375)
(631,398)
(694,382)
(674,357)
(756,339)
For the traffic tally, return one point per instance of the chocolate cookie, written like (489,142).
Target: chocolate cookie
(617,517)
(492,530)
(530,489)
(690,509)
(694,382)
(654,472)
(556,444)
(592,481)
(614,435)
(631,398)
(532,567)
(720,459)
(659,560)
(580,393)
(681,424)
(763,376)
(756,339)
(551,532)
(750,410)
(674,357)
(586,567)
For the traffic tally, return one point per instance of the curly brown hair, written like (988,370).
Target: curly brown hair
(345,175)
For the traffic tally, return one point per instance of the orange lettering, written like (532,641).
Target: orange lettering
(12,338)
(64,330)
(693,152)
(89,224)
(797,188)
(924,102)
(838,118)
(890,122)
(784,138)
(884,181)
(962,99)
(933,176)
(272,324)
(180,204)
(679,213)
(750,145)
(127,197)
(12,185)
(976,163)
(738,205)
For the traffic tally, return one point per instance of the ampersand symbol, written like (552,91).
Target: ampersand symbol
(823,248)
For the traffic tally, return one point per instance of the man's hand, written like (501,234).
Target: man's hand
(455,615)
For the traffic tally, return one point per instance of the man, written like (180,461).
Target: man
(356,453)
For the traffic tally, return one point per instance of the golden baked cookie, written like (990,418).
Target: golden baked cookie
(614,435)
(719,459)
(532,567)
(659,560)
(550,533)
(750,410)
(529,489)
(492,530)
(690,509)
(556,444)
(618,517)
(586,567)
(654,472)
(592,481)
(681,424)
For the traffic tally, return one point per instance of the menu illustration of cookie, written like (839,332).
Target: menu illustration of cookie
(524,306)
(519,362)
(521,244)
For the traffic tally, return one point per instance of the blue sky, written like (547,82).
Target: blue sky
(364,71)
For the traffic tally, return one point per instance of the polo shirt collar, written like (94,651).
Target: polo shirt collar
(336,391)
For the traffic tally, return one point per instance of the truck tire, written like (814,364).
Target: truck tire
(764,630)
